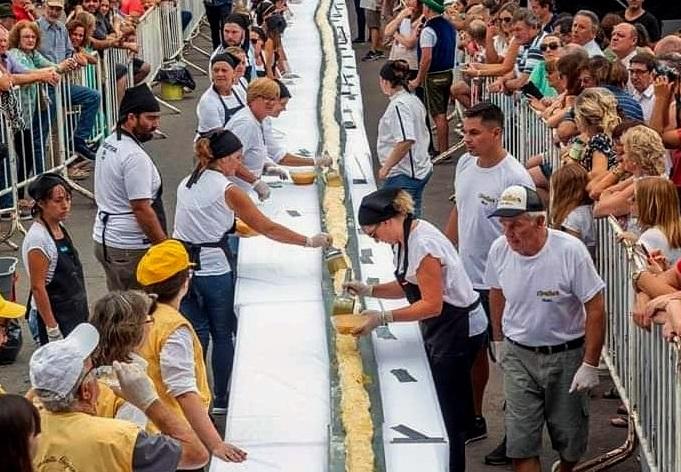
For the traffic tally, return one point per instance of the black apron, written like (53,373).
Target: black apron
(229,112)
(156,203)
(440,333)
(66,291)
(447,346)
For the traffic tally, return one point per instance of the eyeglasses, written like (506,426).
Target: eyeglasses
(372,232)
(552,46)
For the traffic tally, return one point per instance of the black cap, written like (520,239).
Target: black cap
(138,99)
(223,143)
(276,23)
(378,206)
(516,200)
(230,59)
(40,188)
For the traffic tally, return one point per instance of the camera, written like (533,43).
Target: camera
(664,70)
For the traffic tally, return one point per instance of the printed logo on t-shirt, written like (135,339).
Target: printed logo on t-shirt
(547,295)
(487,200)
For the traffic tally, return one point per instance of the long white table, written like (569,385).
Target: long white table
(280,400)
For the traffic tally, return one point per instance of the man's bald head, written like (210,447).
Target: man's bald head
(623,39)
(671,43)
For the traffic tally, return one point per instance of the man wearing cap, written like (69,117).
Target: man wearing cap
(128,189)
(56,46)
(436,50)
(172,349)
(547,302)
(74,438)
(218,104)
(7,18)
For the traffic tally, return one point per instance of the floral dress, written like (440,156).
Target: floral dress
(602,143)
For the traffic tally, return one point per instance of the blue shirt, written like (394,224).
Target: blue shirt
(629,107)
(11,65)
(55,43)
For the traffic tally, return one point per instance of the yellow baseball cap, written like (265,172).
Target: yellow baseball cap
(162,261)
(10,309)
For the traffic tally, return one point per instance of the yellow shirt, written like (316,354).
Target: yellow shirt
(81,442)
(166,321)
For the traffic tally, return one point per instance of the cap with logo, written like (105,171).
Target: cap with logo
(57,366)
(516,200)
(162,261)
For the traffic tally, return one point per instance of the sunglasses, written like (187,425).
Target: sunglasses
(551,46)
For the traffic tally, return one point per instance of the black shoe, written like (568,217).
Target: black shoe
(84,150)
(478,431)
(498,455)
(359,41)
(369,56)
(379,55)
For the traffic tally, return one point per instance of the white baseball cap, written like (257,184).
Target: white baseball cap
(516,200)
(57,366)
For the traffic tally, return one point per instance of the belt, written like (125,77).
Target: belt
(574,344)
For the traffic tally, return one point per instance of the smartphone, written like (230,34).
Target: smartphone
(531,90)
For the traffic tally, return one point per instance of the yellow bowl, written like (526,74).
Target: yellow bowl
(243,230)
(303,177)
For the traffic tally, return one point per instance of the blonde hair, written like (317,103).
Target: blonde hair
(403,203)
(119,318)
(262,88)
(568,191)
(597,108)
(657,202)
(643,146)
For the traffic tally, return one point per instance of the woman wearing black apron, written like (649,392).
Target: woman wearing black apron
(441,298)
(55,272)
(219,103)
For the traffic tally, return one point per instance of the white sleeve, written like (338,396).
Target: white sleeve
(41,241)
(574,222)
(653,239)
(177,363)
(275,150)
(585,282)
(426,247)
(209,115)
(243,130)
(405,121)
(491,275)
(138,176)
(428,38)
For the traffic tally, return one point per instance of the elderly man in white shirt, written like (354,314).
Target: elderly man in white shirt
(547,300)
(584,28)
(641,68)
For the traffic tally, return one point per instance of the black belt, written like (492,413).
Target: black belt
(574,344)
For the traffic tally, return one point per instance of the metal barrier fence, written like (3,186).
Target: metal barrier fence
(643,366)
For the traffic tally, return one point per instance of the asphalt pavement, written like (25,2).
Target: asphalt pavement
(174,158)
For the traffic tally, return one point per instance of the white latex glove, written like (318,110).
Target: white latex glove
(357,287)
(277,171)
(372,320)
(136,387)
(322,240)
(499,350)
(262,189)
(324,160)
(585,378)
(54,334)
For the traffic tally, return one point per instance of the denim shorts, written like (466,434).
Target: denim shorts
(536,387)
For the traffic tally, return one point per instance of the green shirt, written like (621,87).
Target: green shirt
(540,78)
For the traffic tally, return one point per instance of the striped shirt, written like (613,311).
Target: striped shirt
(530,56)
(629,108)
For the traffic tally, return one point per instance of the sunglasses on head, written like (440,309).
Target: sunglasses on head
(551,46)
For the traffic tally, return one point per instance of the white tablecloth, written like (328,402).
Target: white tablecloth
(280,402)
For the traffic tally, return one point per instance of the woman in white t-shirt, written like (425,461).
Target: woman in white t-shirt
(207,202)
(441,298)
(571,205)
(403,136)
(54,269)
(404,29)
(657,208)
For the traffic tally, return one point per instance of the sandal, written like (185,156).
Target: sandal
(619,422)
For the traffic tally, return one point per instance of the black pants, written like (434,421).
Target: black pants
(452,379)
(361,21)
(216,14)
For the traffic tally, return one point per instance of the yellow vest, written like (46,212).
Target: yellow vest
(108,403)
(166,321)
(81,442)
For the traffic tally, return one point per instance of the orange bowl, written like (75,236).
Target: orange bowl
(303,177)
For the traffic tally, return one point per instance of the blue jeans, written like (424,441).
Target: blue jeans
(209,306)
(413,186)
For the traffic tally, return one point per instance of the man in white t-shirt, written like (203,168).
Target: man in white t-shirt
(547,300)
(482,174)
(130,214)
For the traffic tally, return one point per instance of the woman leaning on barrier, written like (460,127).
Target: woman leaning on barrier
(403,137)
(58,292)
(207,202)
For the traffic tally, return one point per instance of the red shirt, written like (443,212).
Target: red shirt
(131,7)
(20,13)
